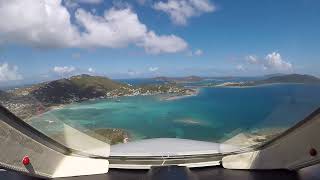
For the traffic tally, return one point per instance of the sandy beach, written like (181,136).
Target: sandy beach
(254,137)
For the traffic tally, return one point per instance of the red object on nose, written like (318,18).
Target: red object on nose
(313,152)
(26,160)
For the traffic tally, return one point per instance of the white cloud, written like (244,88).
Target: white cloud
(117,28)
(252,59)
(240,68)
(153,69)
(181,10)
(91,70)
(155,44)
(274,61)
(132,72)
(9,73)
(198,52)
(46,23)
(64,69)
(71,4)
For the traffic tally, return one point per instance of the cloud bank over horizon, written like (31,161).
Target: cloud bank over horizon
(271,63)
(9,73)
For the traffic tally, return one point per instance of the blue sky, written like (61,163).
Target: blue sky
(47,39)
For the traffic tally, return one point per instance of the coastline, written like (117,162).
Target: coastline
(56,107)
(196,92)
(255,137)
(166,96)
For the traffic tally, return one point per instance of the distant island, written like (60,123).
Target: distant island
(288,78)
(179,79)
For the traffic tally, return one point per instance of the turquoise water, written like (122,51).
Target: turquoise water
(214,114)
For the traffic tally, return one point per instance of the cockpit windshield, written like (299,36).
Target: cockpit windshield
(237,73)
